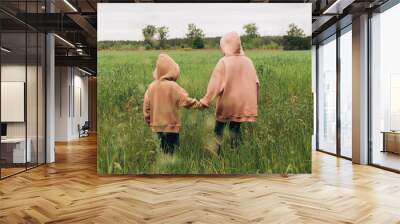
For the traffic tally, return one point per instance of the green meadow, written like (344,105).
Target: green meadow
(279,142)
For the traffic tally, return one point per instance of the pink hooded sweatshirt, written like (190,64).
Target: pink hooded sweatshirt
(234,82)
(164,96)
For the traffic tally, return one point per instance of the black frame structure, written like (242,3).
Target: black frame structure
(39,39)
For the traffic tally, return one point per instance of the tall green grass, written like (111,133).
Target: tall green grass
(279,142)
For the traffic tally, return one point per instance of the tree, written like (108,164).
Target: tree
(198,43)
(148,33)
(252,38)
(251,30)
(162,35)
(295,39)
(295,31)
(195,36)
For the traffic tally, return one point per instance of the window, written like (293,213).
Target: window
(346,92)
(22,88)
(329,111)
(394,102)
(385,89)
(327,96)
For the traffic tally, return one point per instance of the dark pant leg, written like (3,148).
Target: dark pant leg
(219,134)
(168,141)
(172,142)
(235,134)
(161,136)
(234,127)
(219,128)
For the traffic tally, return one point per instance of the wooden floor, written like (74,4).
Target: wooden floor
(70,191)
(5,172)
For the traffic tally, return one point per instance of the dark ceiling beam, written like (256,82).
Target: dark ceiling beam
(63,7)
(70,23)
(321,23)
(10,25)
(91,5)
(49,22)
(75,60)
(82,18)
(86,27)
(16,18)
(88,70)
(332,28)
(338,6)
(78,61)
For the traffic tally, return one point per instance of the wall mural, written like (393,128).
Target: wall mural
(204,88)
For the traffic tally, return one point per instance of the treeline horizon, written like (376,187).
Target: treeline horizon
(156,38)
(267,42)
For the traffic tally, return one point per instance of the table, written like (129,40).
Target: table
(391,141)
(13,150)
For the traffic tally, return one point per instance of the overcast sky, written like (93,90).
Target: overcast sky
(125,21)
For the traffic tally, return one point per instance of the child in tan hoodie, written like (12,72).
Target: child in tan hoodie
(162,100)
(235,84)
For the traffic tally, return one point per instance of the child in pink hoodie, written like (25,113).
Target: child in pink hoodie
(162,100)
(235,84)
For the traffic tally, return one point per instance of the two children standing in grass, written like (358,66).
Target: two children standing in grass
(233,82)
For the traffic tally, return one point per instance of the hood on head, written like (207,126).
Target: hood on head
(230,44)
(166,68)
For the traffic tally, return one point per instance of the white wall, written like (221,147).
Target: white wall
(62,82)
(80,84)
(70,83)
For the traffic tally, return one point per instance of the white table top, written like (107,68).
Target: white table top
(13,140)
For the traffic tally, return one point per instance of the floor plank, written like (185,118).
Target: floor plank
(70,191)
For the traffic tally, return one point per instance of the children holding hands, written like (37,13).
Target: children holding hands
(234,83)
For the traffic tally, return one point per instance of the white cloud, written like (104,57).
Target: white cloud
(124,21)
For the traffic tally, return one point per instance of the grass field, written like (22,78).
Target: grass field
(279,142)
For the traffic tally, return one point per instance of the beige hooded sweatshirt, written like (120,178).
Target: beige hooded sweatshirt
(164,97)
(234,82)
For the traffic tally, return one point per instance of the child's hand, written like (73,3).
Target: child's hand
(202,106)
(199,105)
(195,104)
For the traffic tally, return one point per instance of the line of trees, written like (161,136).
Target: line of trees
(151,41)
(157,38)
